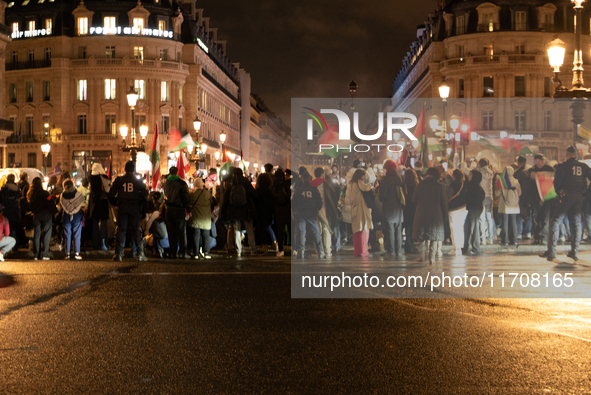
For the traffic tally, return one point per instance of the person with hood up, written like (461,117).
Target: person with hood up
(327,216)
(73,203)
(392,196)
(98,206)
(509,206)
(487,223)
(474,205)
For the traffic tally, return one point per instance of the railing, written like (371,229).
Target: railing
(488,27)
(129,62)
(522,58)
(36,64)
(79,62)
(117,62)
(5,124)
(169,65)
(91,137)
(485,59)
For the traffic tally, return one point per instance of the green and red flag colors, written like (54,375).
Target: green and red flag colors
(421,135)
(177,141)
(155,158)
(503,181)
(545,185)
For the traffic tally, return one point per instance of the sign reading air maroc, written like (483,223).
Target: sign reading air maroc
(95,31)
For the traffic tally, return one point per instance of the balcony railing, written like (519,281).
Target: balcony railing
(36,64)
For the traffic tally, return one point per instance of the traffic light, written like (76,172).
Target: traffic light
(465,135)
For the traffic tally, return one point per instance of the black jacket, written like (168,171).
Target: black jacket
(40,203)
(242,213)
(474,196)
(459,200)
(128,190)
(176,192)
(306,200)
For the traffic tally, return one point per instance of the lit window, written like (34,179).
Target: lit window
(161,25)
(163,54)
(110,89)
(164,91)
(140,88)
(31,25)
(82,90)
(14,27)
(520,22)
(10,4)
(25,2)
(82,26)
(110,25)
(138,23)
(138,53)
(48,24)
(110,52)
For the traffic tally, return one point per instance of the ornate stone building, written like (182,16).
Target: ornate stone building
(493,56)
(70,65)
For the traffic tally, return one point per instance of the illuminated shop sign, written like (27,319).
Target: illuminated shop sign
(130,31)
(31,33)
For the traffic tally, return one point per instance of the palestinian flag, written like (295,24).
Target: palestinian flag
(155,158)
(110,171)
(421,135)
(503,181)
(332,137)
(177,142)
(545,184)
(497,145)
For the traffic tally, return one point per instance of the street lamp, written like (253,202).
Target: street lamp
(197,124)
(577,93)
(45,148)
(133,147)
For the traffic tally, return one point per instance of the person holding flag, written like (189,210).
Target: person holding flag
(176,195)
(155,159)
(541,175)
(570,183)
(509,189)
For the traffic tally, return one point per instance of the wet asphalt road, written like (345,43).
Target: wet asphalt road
(229,326)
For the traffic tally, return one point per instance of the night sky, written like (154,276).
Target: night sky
(315,48)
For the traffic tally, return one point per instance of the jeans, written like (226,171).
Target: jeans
(570,205)
(586,215)
(540,218)
(510,218)
(128,215)
(198,235)
(487,224)
(42,231)
(271,234)
(72,227)
(302,224)
(175,225)
(472,232)
(392,236)
(524,221)
(6,244)
(161,243)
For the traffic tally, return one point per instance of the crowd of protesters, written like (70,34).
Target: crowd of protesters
(390,208)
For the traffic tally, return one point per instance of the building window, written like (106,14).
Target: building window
(14,56)
(82,124)
(82,52)
(29,126)
(46,91)
(138,53)
(47,53)
(12,93)
(139,121)
(82,92)
(520,48)
(32,159)
(461,24)
(488,87)
(31,25)
(110,124)
(547,87)
(460,49)
(204,100)
(489,25)
(165,123)
(14,27)
(161,25)
(110,52)
(110,89)
(140,88)
(31,56)
(487,119)
(48,24)
(519,85)
(49,161)
(110,24)
(519,120)
(461,88)
(163,54)
(29,86)
(138,23)
(164,91)
(180,93)
(11,159)
(82,26)
(547,120)
(520,20)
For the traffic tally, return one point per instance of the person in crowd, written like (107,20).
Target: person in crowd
(130,195)
(23,184)
(411,180)
(156,227)
(474,206)
(306,203)
(23,187)
(418,168)
(51,184)
(269,169)
(392,194)
(509,206)
(487,223)
(43,209)
(282,206)
(361,220)
(98,207)
(56,192)
(73,204)
(265,207)
(200,219)
(431,202)
(587,208)
(7,242)
(238,207)
(176,194)
(456,206)
(11,201)
(327,215)
(540,209)
(84,190)
(570,181)
(524,222)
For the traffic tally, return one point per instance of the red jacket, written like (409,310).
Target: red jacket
(4,227)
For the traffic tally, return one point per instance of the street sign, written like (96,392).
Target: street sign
(584,132)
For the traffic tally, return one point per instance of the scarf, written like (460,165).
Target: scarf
(71,205)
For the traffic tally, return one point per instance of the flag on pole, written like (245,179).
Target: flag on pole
(421,135)
(545,184)
(181,166)
(504,182)
(155,158)
(178,142)
(110,171)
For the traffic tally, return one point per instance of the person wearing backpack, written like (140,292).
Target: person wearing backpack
(392,195)
(509,204)
(281,190)
(238,208)
(306,203)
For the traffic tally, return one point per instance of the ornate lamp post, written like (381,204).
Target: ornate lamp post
(45,148)
(578,93)
(133,147)
(223,139)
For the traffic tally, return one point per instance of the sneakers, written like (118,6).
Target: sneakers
(573,256)
(1,257)
(45,258)
(142,257)
(77,256)
(321,255)
(550,257)
(67,257)
(279,254)
(206,256)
